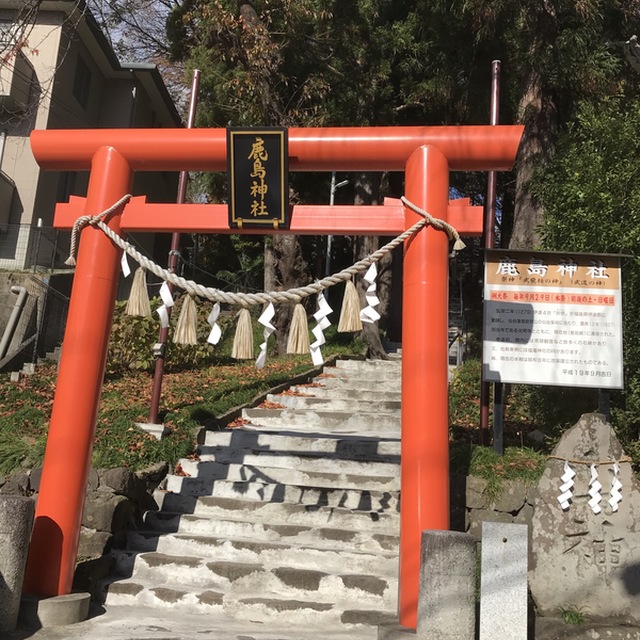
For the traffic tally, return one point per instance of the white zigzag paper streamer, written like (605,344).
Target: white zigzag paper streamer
(615,493)
(166,295)
(594,491)
(318,331)
(164,316)
(369,314)
(265,320)
(124,265)
(567,485)
(216,332)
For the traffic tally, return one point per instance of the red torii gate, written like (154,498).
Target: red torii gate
(426,154)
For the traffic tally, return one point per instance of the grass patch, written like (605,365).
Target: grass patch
(522,464)
(573,614)
(191,398)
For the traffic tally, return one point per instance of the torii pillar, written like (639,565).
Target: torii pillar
(427,154)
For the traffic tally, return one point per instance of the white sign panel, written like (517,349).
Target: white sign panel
(553,319)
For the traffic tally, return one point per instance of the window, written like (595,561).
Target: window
(82,83)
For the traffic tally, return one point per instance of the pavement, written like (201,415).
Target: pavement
(138,623)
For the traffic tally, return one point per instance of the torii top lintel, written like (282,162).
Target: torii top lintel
(467,148)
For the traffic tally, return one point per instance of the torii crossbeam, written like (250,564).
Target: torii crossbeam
(426,154)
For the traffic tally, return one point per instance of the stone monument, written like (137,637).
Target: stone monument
(586,546)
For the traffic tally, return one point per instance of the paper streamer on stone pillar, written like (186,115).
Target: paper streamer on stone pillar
(216,332)
(615,495)
(566,493)
(321,316)
(369,314)
(595,497)
(124,265)
(265,320)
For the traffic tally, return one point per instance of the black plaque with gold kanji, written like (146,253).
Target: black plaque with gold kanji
(258,170)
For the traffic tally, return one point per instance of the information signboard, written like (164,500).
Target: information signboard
(258,177)
(553,319)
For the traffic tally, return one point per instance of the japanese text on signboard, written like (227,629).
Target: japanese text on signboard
(258,178)
(553,319)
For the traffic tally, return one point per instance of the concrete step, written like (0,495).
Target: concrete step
(280,512)
(381,375)
(332,381)
(237,441)
(372,367)
(203,484)
(265,609)
(269,461)
(334,404)
(324,537)
(334,422)
(191,489)
(292,518)
(381,560)
(311,390)
(241,579)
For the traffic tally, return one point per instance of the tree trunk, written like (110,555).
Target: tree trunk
(537,112)
(367,191)
(284,268)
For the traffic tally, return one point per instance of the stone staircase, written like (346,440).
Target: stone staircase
(289,519)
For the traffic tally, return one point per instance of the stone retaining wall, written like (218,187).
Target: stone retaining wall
(115,503)
(472,504)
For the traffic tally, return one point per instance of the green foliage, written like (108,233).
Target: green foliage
(132,339)
(591,196)
(573,614)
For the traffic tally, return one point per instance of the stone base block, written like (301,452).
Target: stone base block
(395,632)
(56,611)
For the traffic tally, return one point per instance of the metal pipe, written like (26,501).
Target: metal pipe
(14,318)
(489,233)
(172,266)
(332,196)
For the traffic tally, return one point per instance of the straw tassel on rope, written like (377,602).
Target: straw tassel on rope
(298,341)
(350,312)
(186,331)
(243,339)
(138,302)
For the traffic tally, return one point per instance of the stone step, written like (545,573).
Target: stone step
(265,609)
(326,537)
(237,441)
(381,560)
(191,489)
(334,404)
(379,375)
(292,518)
(370,366)
(334,422)
(311,390)
(280,512)
(203,484)
(241,579)
(269,461)
(332,381)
